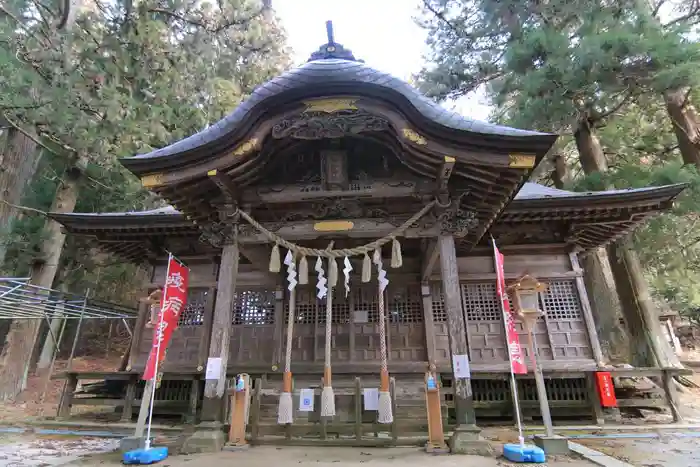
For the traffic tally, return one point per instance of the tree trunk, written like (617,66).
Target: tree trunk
(641,318)
(605,305)
(22,336)
(561,171)
(685,125)
(590,151)
(18,162)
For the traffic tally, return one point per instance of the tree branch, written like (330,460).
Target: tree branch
(438,15)
(23,208)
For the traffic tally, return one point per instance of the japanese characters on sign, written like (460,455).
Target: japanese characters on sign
(606,389)
(172,304)
(515,352)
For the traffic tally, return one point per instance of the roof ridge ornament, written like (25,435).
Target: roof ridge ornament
(332,50)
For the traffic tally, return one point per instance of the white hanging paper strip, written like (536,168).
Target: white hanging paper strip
(381,273)
(291,271)
(347,268)
(321,282)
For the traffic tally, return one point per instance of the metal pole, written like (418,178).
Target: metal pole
(157,335)
(77,330)
(51,366)
(539,382)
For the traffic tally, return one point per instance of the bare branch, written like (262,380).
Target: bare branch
(439,15)
(23,208)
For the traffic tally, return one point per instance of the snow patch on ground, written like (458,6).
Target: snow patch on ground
(51,452)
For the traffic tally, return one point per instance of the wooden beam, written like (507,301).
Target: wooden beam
(362,228)
(430,257)
(225,184)
(448,164)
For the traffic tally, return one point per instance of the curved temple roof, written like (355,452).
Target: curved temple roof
(334,71)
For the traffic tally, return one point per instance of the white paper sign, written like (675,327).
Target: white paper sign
(371,398)
(460,366)
(306,400)
(213,368)
(361,316)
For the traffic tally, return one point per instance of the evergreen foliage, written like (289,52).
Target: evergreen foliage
(556,65)
(126,78)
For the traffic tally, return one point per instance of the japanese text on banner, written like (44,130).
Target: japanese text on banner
(515,352)
(174,301)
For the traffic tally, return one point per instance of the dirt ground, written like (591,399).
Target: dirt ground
(267,456)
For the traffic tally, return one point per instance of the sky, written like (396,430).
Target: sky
(380,32)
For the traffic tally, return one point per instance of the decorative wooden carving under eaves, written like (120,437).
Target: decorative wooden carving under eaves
(324,125)
(334,209)
(456,220)
(335,170)
(220,233)
(217,234)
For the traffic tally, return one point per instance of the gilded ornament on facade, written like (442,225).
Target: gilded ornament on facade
(414,137)
(330,105)
(151,180)
(246,147)
(521,161)
(333,226)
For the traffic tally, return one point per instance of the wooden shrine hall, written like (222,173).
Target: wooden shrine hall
(331,157)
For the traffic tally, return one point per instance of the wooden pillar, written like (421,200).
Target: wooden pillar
(428,321)
(587,311)
(215,389)
(464,405)
(278,339)
(203,351)
(144,311)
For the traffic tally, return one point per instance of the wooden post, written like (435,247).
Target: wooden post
(255,410)
(596,409)
(137,335)
(67,396)
(394,425)
(214,390)
(358,409)
(671,395)
(209,435)
(428,321)
(587,311)
(278,349)
(240,405)
(464,406)
(436,433)
(129,396)
(466,438)
(203,350)
(194,399)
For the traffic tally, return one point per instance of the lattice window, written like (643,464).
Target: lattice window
(439,311)
(365,300)
(561,301)
(404,304)
(193,313)
(253,307)
(480,302)
(305,306)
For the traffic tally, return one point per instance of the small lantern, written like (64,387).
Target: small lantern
(526,294)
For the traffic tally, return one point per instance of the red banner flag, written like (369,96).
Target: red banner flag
(515,352)
(173,302)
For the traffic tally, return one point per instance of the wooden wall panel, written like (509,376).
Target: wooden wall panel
(202,274)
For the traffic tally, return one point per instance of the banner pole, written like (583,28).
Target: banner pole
(513,381)
(158,335)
